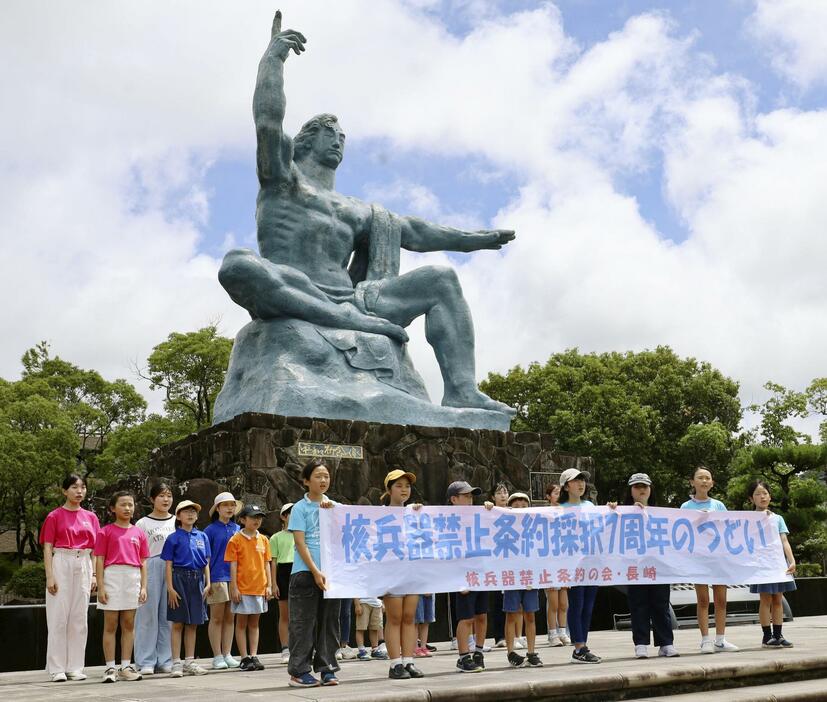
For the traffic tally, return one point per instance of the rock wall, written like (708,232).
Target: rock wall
(255,456)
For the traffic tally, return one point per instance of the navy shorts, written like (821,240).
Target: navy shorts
(191,609)
(470,604)
(521,600)
(425,610)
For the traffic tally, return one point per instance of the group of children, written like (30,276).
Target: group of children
(155,580)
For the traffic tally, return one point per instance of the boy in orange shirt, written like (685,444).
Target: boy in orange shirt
(248,554)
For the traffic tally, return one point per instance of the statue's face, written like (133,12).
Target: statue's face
(329,146)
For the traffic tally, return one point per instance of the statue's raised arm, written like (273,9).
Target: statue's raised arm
(275,149)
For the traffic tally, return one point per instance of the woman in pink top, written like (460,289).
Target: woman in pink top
(68,537)
(121,552)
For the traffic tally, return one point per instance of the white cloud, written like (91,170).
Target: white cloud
(792,31)
(118,110)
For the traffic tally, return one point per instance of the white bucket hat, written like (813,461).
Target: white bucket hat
(226,497)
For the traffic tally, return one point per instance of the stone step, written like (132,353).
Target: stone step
(802,691)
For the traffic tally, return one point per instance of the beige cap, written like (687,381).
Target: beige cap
(187,503)
(225,497)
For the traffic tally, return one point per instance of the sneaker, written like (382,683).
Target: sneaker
(771,643)
(285,655)
(515,660)
(382,648)
(218,663)
(500,643)
(472,642)
(641,651)
(305,680)
(348,653)
(59,677)
(584,655)
(257,663)
(177,670)
(486,648)
(329,678)
(413,671)
(147,670)
(564,638)
(363,655)
(247,664)
(533,660)
(554,641)
(399,672)
(454,644)
(339,654)
(668,651)
(431,648)
(165,669)
(110,675)
(422,652)
(523,641)
(129,674)
(518,644)
(478,658)
(76,675)
(379,654)
(707,646)
(726,646)
(466,664)
(781,642)
(232,662)
(192,668)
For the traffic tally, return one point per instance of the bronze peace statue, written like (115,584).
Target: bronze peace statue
(328,305)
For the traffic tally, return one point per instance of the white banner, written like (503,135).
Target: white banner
(372,551)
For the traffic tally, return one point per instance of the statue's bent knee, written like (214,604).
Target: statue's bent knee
(445,279)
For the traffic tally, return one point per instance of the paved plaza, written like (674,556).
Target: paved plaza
(368,682)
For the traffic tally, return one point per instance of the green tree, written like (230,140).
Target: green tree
(38,445)
(190,369)
(650,411)
(817,402)
(781,406)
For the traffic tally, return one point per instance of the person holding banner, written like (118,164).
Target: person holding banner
(581,597)
(557,598)
(314,621)
(702,483)
(649,603)
(400,610)
(770,608)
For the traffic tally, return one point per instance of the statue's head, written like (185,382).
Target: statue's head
(322,139)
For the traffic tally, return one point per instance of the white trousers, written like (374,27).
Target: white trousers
(67,611)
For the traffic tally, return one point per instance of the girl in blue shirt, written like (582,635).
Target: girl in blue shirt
(701,484)
(581,597)
(771,609)
(187,553)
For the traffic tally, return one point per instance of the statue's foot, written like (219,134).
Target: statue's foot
(476,400)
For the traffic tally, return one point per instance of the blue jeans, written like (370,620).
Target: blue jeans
(581,604)
(152,633)
(344,621)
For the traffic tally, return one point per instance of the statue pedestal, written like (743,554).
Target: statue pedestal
(258,457)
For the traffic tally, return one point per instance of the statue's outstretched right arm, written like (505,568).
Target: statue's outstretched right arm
(274,152)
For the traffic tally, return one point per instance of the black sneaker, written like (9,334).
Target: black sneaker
(584,655)
(398,672)
(431,648)
(479,659)
(784,643)
(534,661)
(466,664)
(247,664)
(771,643)
(515,660)
(257,663)
(414,671)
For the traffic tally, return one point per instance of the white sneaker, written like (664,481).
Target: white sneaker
(110,675)
(76,675)
(500,643)
(668,651)
(641,651)
(726,646)
(349,653)
(339,654)
(177,670)
(232,662)
(192,668)
(218,663)
(285,655)
(564,637)
(554,641)
(382,648)
(59,677)
(454,644)
(707,646)
(518,644)
(128,673)
(147,670)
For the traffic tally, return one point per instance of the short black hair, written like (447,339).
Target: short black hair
(158,488)
(71,479)
(311,465)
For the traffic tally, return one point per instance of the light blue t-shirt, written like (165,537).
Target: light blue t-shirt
(710,504)
(780,523)
(582,503)
(305,517)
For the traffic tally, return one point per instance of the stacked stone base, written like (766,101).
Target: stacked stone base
(256,457)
